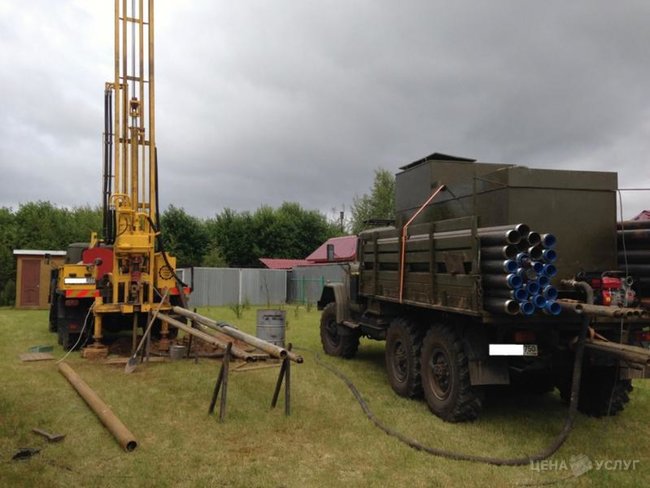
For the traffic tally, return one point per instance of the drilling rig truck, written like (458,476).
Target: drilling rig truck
(487,277)
(115,282)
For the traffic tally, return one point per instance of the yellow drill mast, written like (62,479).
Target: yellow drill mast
(124,276)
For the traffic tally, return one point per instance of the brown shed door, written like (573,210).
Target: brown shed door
(30,283)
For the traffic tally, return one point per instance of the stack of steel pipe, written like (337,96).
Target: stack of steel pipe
(517,268)
(634,251)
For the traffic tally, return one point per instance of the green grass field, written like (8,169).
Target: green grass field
(327,441)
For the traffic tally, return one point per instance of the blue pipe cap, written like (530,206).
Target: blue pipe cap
(552,308)
(526,308)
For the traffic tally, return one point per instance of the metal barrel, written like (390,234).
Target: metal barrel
(499,252)
(519,294)
(504,266)
(498,305)
(270,326)
(103,412)
(548,241)
(502,281)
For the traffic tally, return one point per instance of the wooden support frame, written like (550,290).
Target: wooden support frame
(221,384)
(285,374)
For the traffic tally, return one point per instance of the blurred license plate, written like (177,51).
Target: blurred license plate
(513,349)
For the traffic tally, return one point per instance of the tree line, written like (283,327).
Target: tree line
(229,239)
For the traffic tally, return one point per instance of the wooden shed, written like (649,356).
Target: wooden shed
(33,270)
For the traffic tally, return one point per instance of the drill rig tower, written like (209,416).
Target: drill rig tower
(123,277)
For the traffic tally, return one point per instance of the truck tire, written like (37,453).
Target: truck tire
(403,347)
(602,393)
(445,376)
(334,343)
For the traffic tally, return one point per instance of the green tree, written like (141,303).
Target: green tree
(232,233)
(379,204)
(184,236)
(7,260)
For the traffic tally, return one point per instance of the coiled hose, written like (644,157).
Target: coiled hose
(459,456)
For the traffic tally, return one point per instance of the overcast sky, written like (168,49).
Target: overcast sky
(260,102)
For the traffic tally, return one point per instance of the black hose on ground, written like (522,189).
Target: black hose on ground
(459,456)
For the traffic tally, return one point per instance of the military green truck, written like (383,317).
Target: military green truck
(485,279)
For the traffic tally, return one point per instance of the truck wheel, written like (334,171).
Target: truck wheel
(602,393)
(445,377)
(335,343)
(403,346)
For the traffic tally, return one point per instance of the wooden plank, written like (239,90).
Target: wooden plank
(36,356)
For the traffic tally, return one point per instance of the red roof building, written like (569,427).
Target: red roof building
(341,250)
(272,263)
(645,215)
(344,249)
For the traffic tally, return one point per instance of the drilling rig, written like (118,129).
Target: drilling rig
(117,281)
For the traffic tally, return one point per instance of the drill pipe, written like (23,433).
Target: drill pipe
(634,257)
(636,269)
(633,224)
(520,294)
(267,347)
(548,241)
(502,281)
(210,339)
(499,252)
(505,266)
(601,310)
(496,305)
(634,235)
(533,238)
(632,354)
(107,417)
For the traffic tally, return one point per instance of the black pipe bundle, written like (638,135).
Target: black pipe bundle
(633,237)
(517,268)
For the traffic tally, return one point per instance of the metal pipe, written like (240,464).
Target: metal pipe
(549,255)
(534,238)
(499,252)
(505,266)
(519,294)
(535,252)
(210,339)
(636,269)
(532,287)
(526,308)
(552,308)
(584,286)
(97,405)
(549,292)
(548,241)
(632,354)
(634,235)
(549,270)
(234,350)
(539,301)
(500,237)
(523,259)
(633,224)
(496,305)
(634,257)
(267,347)
(502,281)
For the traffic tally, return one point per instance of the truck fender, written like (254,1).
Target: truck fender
(336,292)
(483,369)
